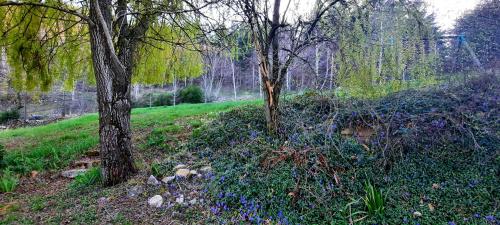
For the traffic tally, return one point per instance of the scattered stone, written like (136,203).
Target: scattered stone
(193,172)
(182,173)
(135,191)
(206,169)
(180,166)
(431,207)
(34,174)
(180,199)
(155,201)
(102,201)
(92,153)
(346,132)
(435,186)
(167,180)
(417,214)
(193,202)
(152,180)
(73,173)
(87,163)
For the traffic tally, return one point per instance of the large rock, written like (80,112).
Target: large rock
(180,166)
(135,191)
(180,199)
(152,180)
(168,180)
(182,173)
(73,173)
(206,169)
(155,201)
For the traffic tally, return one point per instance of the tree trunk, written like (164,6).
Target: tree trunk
(113,98)
(233,77)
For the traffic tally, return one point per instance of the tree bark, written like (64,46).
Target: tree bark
(113,83)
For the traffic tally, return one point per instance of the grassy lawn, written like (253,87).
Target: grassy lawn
(53,146)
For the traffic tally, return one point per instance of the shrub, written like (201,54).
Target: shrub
(12,114)
(153,99)
(8,181)
(91,177)
(163,99)
(191,94)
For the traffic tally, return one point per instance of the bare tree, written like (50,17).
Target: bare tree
(268,35)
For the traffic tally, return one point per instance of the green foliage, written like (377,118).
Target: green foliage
(195,123)
(37,203)
(159,169)
(191,94)
(92,177)
(310,174)
(403,53)
(2,156)
(12,114)
(161,62)
(8,181)
(160,138)
(31,37)
(153,99)
(374,200)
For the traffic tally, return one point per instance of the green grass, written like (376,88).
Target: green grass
(55,145)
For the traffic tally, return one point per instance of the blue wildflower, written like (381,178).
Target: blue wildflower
(490,218)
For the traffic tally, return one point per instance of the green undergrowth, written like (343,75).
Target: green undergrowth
(54,146)
(431,157)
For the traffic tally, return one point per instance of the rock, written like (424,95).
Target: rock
(87,163)
(417,214)
(206,169)
(182,173)
(167,180)
(180,199)
(346,131)
(180,166)
(92,153)
(193,172)
(435,186)
(135,191)
(152,180)
(73,173)
(431,207)
(155,201)
(192,202)
(34,174)
(102,201)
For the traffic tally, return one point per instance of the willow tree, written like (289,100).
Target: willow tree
(37,33)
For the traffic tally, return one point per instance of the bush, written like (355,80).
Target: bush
(191,94)
(155,99)
(8,182)
(12,114)
(164,99)
(311,172)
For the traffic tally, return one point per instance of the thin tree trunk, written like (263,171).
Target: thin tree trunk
(233,77)
(175,90)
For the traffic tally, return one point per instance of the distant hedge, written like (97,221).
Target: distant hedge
(12,114)
(191,94)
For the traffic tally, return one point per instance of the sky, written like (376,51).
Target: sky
(448,11)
